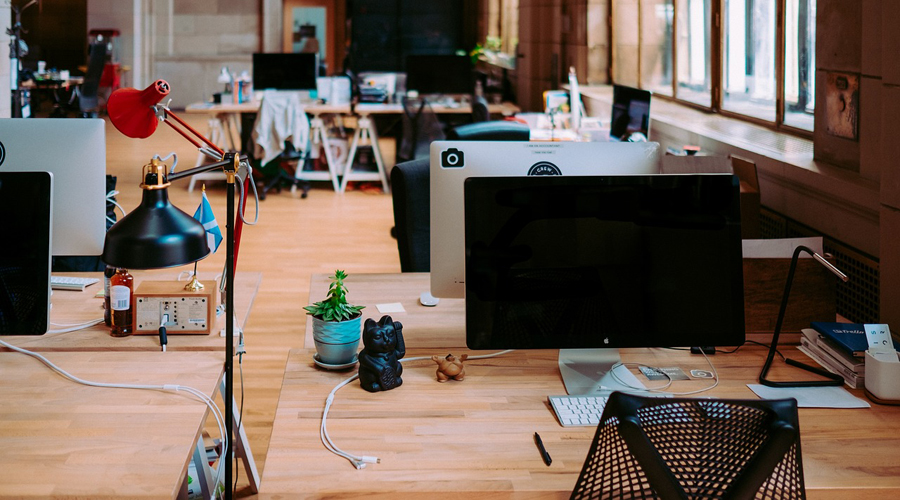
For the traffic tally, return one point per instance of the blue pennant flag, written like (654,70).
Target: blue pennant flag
(204,214)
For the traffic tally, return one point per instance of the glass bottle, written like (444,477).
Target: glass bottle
(107,313)
(121,301)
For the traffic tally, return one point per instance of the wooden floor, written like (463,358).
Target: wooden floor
(294,238)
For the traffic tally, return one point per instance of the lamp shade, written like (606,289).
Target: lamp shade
(154,235)
(131,110)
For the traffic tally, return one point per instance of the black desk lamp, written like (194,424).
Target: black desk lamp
(156,234)
(832,379)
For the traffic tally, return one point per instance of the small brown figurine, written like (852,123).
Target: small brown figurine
(450,367)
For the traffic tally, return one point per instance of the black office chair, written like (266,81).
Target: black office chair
(497,130)
(277,173)
(421,127)
(88,92)
(694,448)
(411,194)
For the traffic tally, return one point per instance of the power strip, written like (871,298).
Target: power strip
(187,312)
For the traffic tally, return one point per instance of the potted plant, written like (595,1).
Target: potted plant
(336,324)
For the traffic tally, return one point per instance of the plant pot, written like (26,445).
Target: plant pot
(337,332)
(336,354)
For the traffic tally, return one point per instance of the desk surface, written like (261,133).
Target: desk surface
(362,108)
(475,436)
(73,307)
(61,439)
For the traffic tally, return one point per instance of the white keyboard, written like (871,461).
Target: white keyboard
(572,411)
(578,410)
(70,283)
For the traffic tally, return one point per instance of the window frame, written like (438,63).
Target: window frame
(716,66)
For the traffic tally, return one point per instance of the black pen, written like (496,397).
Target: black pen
(540,445)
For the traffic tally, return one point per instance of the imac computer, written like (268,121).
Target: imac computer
(26,200)
(452,162)
(439,74)
(630,114)
(598,262)
(290,71)
(74,151)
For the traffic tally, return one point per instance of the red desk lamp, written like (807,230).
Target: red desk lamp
(157,234)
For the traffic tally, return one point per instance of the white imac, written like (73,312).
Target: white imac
(452,162)
(74,151)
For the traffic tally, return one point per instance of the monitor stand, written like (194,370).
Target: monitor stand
(586,371)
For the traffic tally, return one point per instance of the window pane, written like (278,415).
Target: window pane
(748,80)
(694,33)
(800,63)
(656,45)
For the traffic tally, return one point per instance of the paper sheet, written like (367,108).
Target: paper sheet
(811,397)
(393,307)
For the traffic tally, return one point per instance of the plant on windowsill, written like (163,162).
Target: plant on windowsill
(336,324)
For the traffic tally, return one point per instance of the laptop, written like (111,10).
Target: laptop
(630,115)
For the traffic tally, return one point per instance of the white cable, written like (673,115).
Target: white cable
(110,198)
(240,186)
(170,155)
(360,461)
(75,326)
(166,388)
(662,388)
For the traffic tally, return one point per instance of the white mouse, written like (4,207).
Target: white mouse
(428,300)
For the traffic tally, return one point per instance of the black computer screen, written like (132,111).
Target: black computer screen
(25,202)
(591,262)
(285,71)
(630,113)
(439,74)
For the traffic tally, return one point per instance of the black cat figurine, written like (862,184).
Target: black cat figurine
(379,361)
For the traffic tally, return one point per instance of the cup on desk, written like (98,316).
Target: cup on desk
(42,67)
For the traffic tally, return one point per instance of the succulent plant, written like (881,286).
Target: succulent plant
(335,306)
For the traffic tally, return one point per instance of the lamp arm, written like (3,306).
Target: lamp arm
(833,379)
(167,113)
(203,168)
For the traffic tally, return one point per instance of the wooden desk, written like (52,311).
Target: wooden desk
(65,440)
(475,437)
(72,307)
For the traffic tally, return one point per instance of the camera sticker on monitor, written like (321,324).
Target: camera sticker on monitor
(452,158)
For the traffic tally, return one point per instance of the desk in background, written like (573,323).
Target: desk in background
(225,121)
(475,437)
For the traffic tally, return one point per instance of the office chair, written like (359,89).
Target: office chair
(665,448)
(497,130)
(480,112)
(411,194)
(88,92)
(281,126)
(421,127)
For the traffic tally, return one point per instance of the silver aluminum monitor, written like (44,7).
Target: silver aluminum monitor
(452,162)
(74,151)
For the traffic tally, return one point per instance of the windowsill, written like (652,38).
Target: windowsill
(835,201)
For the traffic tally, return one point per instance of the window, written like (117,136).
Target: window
(742,57)
(502,38)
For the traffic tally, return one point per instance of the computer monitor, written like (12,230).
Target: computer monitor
(452,162)
(630,114)
(439,74)
(570,262)
(26,203)
(74,151)
(288,71)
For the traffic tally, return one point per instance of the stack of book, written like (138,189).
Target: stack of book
(839,348)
